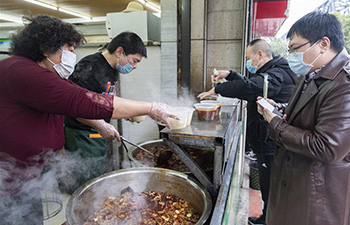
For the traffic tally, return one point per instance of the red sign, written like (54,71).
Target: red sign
(268,17)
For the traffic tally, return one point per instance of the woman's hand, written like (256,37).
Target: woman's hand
(206,94)
(160,113)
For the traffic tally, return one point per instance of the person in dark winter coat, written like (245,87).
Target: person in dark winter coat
(281,81)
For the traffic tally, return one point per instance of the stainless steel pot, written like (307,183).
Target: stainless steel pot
(86,199)
(132,152)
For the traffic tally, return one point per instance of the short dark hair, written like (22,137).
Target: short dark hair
(130,42)
(260,44)
(316,25)
(41,34)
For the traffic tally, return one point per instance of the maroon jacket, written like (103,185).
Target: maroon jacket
(33,102)
(310,181)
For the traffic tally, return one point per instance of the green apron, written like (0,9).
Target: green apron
(90,155)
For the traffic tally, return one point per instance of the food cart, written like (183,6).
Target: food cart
(224,136)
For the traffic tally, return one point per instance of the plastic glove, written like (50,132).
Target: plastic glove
(108,131)
(161,114)
(221,74)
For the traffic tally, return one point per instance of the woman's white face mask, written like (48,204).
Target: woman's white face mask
(66,67)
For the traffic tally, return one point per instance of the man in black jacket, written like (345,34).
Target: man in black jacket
(281,81)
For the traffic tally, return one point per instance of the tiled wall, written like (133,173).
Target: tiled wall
(168,50)
(217,39)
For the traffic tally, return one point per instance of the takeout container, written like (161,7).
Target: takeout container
(185,117)
(216,102)
(189,115)
(210,97)
(211,102)
(206,111)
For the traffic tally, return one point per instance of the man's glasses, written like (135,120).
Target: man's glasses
(292,50)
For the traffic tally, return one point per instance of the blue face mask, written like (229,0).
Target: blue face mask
(252,69)
(296,62)
(124,69)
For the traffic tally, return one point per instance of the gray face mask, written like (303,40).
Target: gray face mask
(66,67)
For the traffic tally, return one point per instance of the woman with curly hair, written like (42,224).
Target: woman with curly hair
(35,95)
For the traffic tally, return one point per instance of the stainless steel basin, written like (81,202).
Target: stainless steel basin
(86,199)
(132,152)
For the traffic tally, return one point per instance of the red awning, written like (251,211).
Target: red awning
(268,17)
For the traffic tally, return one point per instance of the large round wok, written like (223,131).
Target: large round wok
(86,199)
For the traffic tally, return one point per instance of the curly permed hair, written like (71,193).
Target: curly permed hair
(42,34)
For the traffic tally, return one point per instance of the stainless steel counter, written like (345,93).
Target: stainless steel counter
(218,135)
(210,128)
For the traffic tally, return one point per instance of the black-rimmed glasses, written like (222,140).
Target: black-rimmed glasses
(292,50)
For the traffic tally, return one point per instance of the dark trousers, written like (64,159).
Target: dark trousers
(264,166)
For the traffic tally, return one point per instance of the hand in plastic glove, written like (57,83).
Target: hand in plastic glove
(221,75)
(206,93)
(107,131)
(161,114)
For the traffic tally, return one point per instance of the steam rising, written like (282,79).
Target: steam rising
(60,170)
(184,99)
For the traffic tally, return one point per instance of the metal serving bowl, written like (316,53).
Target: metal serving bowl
(86,199)
(132,152)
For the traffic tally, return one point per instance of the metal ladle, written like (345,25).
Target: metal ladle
(137,146)
(161,160)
